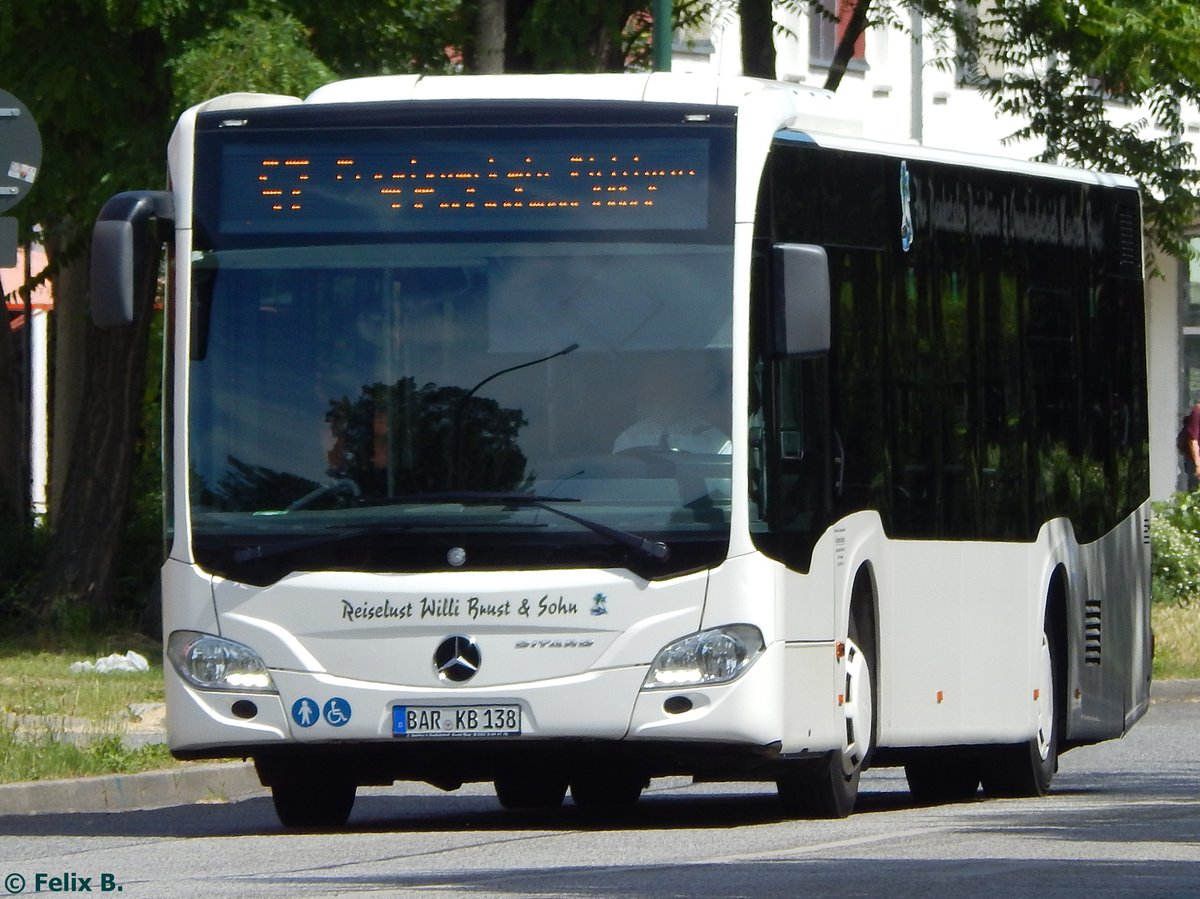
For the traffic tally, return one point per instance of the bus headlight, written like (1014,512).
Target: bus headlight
(214,663)
(715,656)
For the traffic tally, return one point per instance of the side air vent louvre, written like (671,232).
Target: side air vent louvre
(1128,246)
(1091,632)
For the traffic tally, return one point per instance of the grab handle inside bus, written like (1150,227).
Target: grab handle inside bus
(125,253)
(802,303)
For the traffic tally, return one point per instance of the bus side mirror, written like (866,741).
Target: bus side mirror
(125,253)
(802,301)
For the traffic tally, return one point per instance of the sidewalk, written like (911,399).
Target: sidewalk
(228,782)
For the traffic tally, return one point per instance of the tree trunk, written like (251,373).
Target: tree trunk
(517,55)
(489,38)
(71,324)
(845,47)
(758,38)
(77,581)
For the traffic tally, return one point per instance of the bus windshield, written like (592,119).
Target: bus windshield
(367,396)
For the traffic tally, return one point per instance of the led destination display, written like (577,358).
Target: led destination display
(582,183)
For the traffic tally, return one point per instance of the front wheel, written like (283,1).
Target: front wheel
(828,787)
(313,803)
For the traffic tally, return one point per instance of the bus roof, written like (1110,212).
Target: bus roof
(797,112)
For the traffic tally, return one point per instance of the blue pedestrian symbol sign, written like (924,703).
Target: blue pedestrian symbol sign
(304,712)
(337,711)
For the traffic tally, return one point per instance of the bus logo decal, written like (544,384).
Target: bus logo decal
(906,225)
(457,659)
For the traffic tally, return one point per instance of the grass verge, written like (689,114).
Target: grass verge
(57,723)
(47,758)
(39,681)
(1176,640)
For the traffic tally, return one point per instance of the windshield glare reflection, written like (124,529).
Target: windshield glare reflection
(335,392)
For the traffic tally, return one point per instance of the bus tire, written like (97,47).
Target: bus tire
(943,777)
(828,787)
(1026,769)
(608,790)
(313,803)
(530,791)
(818,789)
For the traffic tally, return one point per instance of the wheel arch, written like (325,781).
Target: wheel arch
(863,613)
(1056,618)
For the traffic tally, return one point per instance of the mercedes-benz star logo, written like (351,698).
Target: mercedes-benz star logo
(456,659)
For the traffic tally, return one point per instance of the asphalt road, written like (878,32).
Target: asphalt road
(1123,819)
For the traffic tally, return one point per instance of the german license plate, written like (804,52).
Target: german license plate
(456,720)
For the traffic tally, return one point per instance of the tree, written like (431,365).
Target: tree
(14,493)
(84,144)
(758,41)
(595,36)
(105,79)
(1066,66)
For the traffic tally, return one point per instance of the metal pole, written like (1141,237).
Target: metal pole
(662,35)
(27,386)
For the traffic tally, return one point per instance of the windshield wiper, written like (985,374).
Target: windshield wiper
(653,549)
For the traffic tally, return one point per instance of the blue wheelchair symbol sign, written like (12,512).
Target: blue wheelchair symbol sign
(337,711)
(304,712)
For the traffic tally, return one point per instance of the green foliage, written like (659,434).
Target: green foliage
(267,53)
(1175,550)
(1103,85)
(104,79)
(21,555)
(57,723)
(1176,640)
(48,758)
(142,551)
(36,677)
(597,36)
(384,37)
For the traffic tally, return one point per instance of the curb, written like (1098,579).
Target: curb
(1175,691)
(133,792)
(228,782)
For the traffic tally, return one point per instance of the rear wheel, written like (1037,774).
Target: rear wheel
(1026,769)
(530,791)
(828,787)
(943,777)
(313,802)
(607,790)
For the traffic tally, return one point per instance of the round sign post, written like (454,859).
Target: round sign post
(20,151)
(20,156)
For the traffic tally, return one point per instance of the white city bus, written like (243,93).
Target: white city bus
(564,432)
